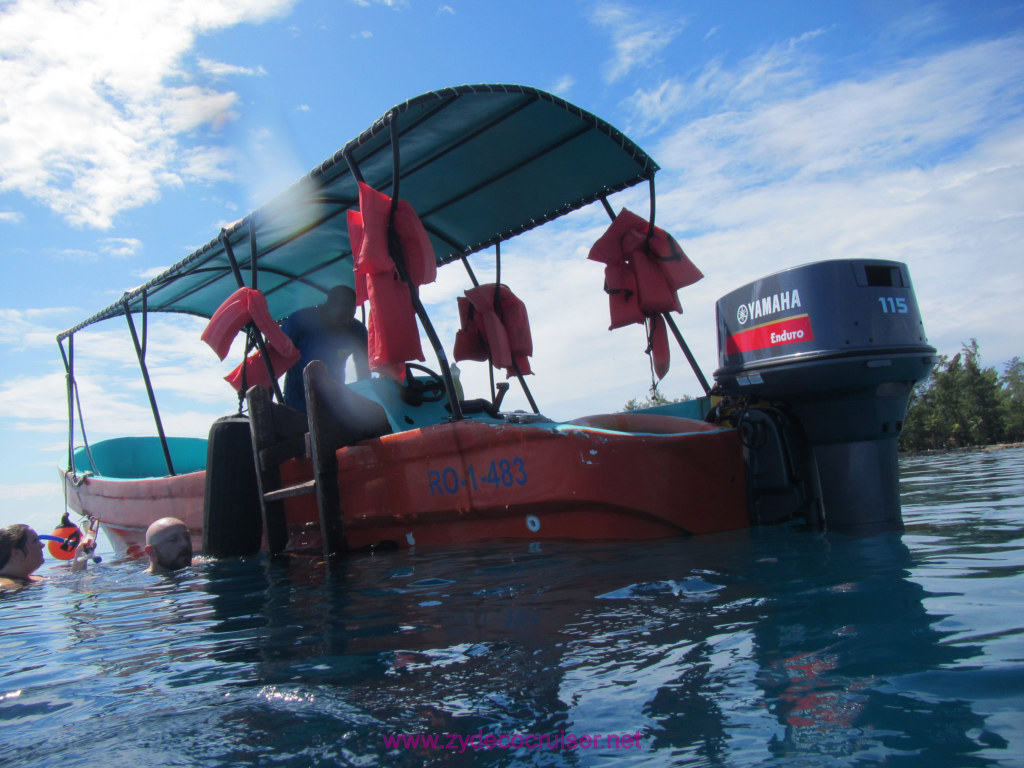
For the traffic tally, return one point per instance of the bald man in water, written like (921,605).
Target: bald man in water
(169,545)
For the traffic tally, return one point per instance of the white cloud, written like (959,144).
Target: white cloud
(220,69)
(23,491)
(784,70)
(385,3)
(206,164)
(653,108)
(145,275)
(637,38)
(563,85)
(186,375)
(121,246)
(919,163)
(21,329)
(112,71)
(12,217)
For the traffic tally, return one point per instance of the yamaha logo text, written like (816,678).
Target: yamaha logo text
(769,305)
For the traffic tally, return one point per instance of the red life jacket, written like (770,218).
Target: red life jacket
(256,371)
(392,335)
(620,285)
(643,270)
(244,306)
(373,254)
(500,334)
(658,340)
(355,236)
(659,265)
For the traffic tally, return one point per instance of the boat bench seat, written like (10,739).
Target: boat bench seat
(335,417)
(338,417)
(279,433)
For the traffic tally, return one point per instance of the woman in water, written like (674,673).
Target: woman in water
(21,553)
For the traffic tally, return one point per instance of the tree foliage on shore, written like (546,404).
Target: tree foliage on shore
(653,399)
(960,404)
(963,404)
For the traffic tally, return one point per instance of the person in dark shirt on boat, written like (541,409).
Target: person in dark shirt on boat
(169,545)
(328,332)
(21,553)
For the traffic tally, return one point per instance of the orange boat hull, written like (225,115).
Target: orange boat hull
(470,481)
(614,477)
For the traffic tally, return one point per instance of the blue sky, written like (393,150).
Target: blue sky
(787,132)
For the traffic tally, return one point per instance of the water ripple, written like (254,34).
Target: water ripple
(778,645)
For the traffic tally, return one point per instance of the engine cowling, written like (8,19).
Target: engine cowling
(840,345)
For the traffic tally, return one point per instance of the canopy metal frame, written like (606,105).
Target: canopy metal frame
(479,163)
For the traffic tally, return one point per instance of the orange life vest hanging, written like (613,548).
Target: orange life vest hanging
(643,270)
(392,335)
(256,370)
(657,339)
(501,334)
(355,236)
(620,285)
(658,265)
(374,255)
(243,306)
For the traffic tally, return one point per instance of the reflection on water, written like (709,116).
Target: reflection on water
(780,645)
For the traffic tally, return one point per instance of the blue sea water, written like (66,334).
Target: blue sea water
(780,647)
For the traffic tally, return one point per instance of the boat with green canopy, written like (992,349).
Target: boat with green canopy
(403,458)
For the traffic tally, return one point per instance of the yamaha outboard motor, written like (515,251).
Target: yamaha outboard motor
(819,361)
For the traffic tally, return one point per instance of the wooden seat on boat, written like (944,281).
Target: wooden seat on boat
(335,417)
(338,417)
(279,433)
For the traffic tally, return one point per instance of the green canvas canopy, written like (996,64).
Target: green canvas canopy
(478,163)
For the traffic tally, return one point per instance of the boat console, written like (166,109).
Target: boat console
(816,366)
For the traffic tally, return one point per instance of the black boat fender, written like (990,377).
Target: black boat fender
(232,520)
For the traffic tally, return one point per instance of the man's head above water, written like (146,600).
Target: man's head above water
(169,545)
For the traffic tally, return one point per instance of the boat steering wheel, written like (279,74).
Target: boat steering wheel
(416,391)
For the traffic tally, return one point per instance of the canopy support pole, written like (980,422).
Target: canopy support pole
(395,249)
(498,312)
(608,208)
(353,167)
(650,228)
(469,271)
(140,352)
(497,282)
(526,389)
(686,351)
(241,284)
(254,272)
(668,318)
(69,367)
(73,401)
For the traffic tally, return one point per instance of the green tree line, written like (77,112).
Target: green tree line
(653,399)
(959,404)
(963,404)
